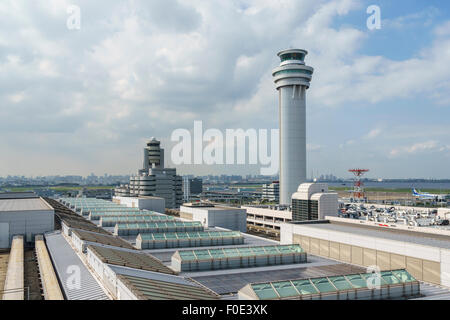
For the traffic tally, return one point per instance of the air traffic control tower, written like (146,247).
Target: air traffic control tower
(292,78)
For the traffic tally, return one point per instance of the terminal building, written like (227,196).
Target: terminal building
(269,217)
(312,201)
(123,251)
(146,255)
(154,179)
(271,192)
(424,253)
(191,187)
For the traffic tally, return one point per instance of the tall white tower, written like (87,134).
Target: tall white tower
(292,78)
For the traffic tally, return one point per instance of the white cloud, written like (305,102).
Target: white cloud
(143,68)
(313,147)
(17,97)
(443,30)
(421,18)
(415,148)
(374,133)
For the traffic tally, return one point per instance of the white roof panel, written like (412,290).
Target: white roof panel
(24,205)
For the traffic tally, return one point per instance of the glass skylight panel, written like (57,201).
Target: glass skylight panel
(264,291)
(285,249)
(187,255)
(404,276)
(304,286)
(357,281)
(202,254)
(217,253)
(340,283)
(192,234)
(271,250)
(323,285)
(390,278)
(285,289)
(245,252)
(157,236)
(182,235)
(231,252)
(259,250)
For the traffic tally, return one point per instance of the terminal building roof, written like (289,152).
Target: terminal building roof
(151,289)
(131,259)
(26,204)
(425,239)
(324,285)
(147,275)
(73,220)
(102,239)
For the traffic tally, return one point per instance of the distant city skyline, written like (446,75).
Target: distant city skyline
(76,101)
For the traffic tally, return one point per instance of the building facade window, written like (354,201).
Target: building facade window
(305,210)
(308,72)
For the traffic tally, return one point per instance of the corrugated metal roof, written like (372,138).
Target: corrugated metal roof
(149,289)
(66,261)
(136,260)
(71,219)
(102,239)
(433,292)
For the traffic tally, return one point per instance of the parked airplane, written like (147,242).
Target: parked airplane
(429,196)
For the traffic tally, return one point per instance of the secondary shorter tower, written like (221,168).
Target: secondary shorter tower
(154,179)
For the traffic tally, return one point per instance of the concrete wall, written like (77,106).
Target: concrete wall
(186,215)
(426,263)
(283,214)
(49,280)
(104,273)
(149,203)
(267,218)
(123,292)
(224,217)
(14,282)
(79,244)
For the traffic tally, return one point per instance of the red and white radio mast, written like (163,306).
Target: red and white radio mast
(358,187)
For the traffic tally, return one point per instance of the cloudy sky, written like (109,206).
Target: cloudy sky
(80,101)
